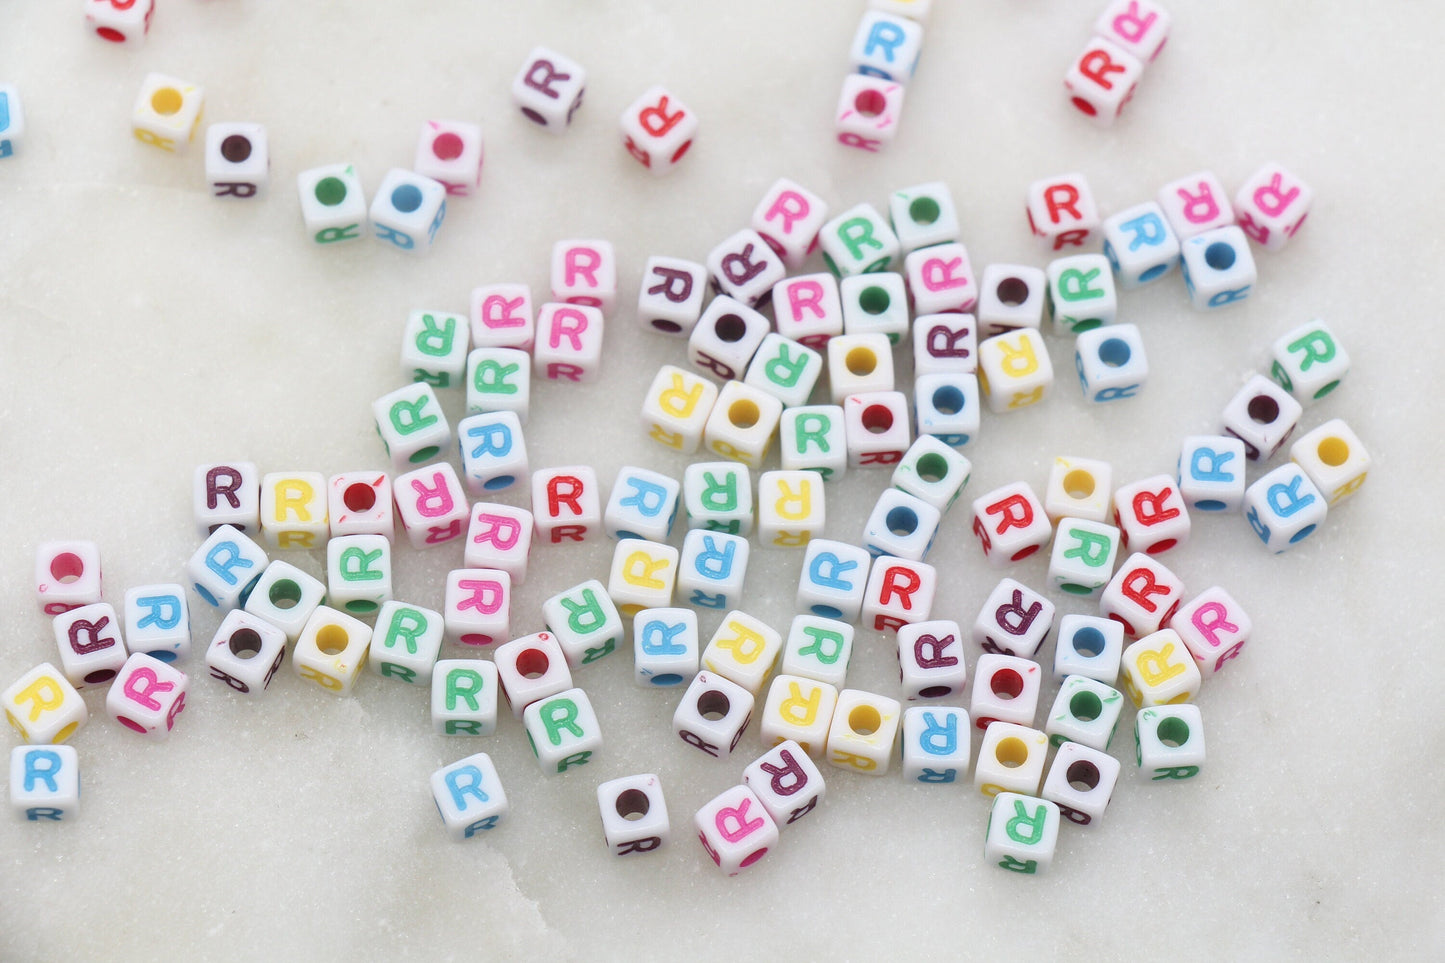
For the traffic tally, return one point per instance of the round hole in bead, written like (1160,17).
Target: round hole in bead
(948,400)
(667,678)
(1083,775)
(1115,352)
(332,639)
(1150,274)
(1210,505)
(730,328)
(1262,409)
(1011,752)
(827,611)
(1085,706)
(1079,483)
(359,497)
(330,191)
(670,327)
(1220,256)
(236,148)
(284,593)
(1302,534)
(874,300)
(1007,684)
(110,33)
(870,103)
(167,101)
(677,154)
(743,413)
(877,418)
(1012,291)
(864,720)
(934,691)
(1326,389)
(1089,641)
(447,146)
(361,606)
(1084,106)
(406,198)
(499,482)
(901,520)
(1023,553)
(1334,451)
(932,467)
(713,705)
(1074,588)
(1163,545)
(424,454)
(99,676)
(67,567)
(633,804)
(245,643)
(164,655)
(861,361)
(533,663)
(923,210)
(1173,732)
(533,116)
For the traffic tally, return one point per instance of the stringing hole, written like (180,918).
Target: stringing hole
(874,300)
(1007,684)
(1115,352)
(744,413)
(332,639)
(245,643)
(923,210)
(1089,641)
(330,191)
(1334,451)
(359,497)
(1013,291)
(861,361)
(901,520)
(533,663)
(713,705)
(948,400)
(633,804)
(870,103)
(1011,752)
(1084,106)
(864,720)
(1083,775)
(1220,256)
(284,593)
(166,101)
(730,328)
(236,148)
(406,198)
(67,567)
(447,146)
(1085,706)
(877,418)
(1262,409)
(932,467)
(1079,483)
(1173,732)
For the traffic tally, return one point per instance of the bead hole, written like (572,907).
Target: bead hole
(874,300)
(1007,684)
(730,328)
(67,567)
(1013,291)
(406,198)
(284,593)
(877,419)
(1115,352)
(332,639)
(1262,409)
(1011,752)
(330,191)
(902,521)
(633,804)
(861,361)
(864,720)
(948,400)
(932,467)
(166,101)
(870,103)
(359,497)
(1089,641)
(1334,451)
(533,663)
(1085,706)
(1079,483)
(1083,775)
(447,146)
(1173,732)
(236,148)
(1219,256)
(713,705)
(743,414)
(245,643)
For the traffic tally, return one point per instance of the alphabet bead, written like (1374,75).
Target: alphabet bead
(859,364)
(45,783)
(584,273)
(1195,204)
(726,337)
(875,424)
(284,596)
(494,451)
(360,503)
(238,160)
(225,567)
(658,129)
(670,298)
(1218,268)
(789,217)
(358,573)
(1014,370)
(1284,507)
(450,153)
(1082,560)
(859,240)
(744,267)
(808,309)
(331,650)
(887,46)
(226,493)
(875,303)
(798,710)
(1262,415)
(863,731)
(1079,488)
(1309,362)
(499,536)
(923,216)
(434,348)
(1006,689)
(944,344)
(1086,711)
(901,525)
(1211,473)
(1010,759)
(743,650)
(742,424)
(932,471)
(735,830)
(718,497)
(531,668)
(406,642)
(711,569)
(92,648)
(634,814)
(792,508)
(293,510)
(1272,205)
(1158,670)
(1169,742)
(643,575)
(477,606)
(676,408)
(713,714)
(67,575)
(1213,627)
(1102,80)
(333,206)
(411,424)
(119,23)
(501,316)
(785,369)
(1062,210)
(1142,596)
(869,109)
(1010,523)
(1139,26)
(569,343)
(1011,296)
(936,745)
(566,504)
(1014,620)
(1111,363)
(643,505)
(1022,833)
(549,88)
(833,581)
(930,660)
(158,621)
(246,652)
(817,648)
(947,408)
(464,697)
(147,696)
(665,647)
(469,796)
(43,706)
(432,505)
(1088,645)
(584,622)
(1151,514)
(167,112)
(1081,781)
(1140,245)
(1081,293)
(899,592)
(1334,459)
(786,781)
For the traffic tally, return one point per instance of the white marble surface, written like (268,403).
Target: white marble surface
(146,328)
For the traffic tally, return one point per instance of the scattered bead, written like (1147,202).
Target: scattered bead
(45,783)
(634,814)
(469,796)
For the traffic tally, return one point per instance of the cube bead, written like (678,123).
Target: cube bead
(1079,488)
(43,706)
(464,697)
(67,575)
(669,300)
(227,493)
(1022,833)
(493,450)
(1142,596)
(1309,362)
(1011,296)
(167,112)
(477,606)
(1014,370)
(1080,781)
(333,206)
(566,504)
(735,830)
(923,215)
(285,596)
(833,580)
(936,746)
(569,343)
(358,573)
(411,424)
(246,652)
(643,575)
(1218,268)
(1196,204)
(725,338)
(1140,245)
(676,408)
(499,536)
(1088,645)
(799,710)
(791,508)
(238,160)
(45,783)
(1262,415)
(331,650)
(1272,205)
(1014,620)
(1284,507)
(1005,689)
(531,668)
(1211,473)
(1159,670)
(932,471)
(1062,211)
(930,660)
(899,592)
(1082,560)
(549,89)
(432,505)
(786,781)
(1213,627)
(817,648)
(585,623)
(225,568)
(120,23)
(742,424)
(945,344)
(665,649)
(434,346)
(863,731)
(789,217)
(1151,514)
(1085,711)
(1102,80)
(501,316)
(1169,742)
(469,796)
(812,438)
(1010,759)
(158,621)
(1334,459)
(406,642)
(901,525)
(658,129)
(147,696)
(562,730)
(808,309)
(744,267)
(634,814)
(361,503)
(1010,523)
(293,510)
(743,650)
(859,240)
(92,648)
(450,153)
(712,569)
(713,714)
(1111,363)
(869,110)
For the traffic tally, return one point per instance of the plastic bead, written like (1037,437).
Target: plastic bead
(859,240)
(1062,210)
(930,660)
(786,782)
(932,471)
(12,121)
(1079,488)
(789,217)
(331,650)
(45,783)
(1213,627)
(360,503)
(406,643)
(1083,556)
(238,160)
(43,706)
(923,216)
(225,567)
(665,647)
(944,344)
(450,153)
(1262,415)
(569,343)
(833,580)
(676,408)
(1142,596)
(566,504)
(658,130)
(669,300)
(1334,458)
(411,424)
(817,648)
(1081,781)
(1158,670)
(785,369)
(464,697)
(531,668)
(358,573)
(901,525)
(549,88)
(1111,363)
(584,273)
(812,438)
(501,316)
(863,731)
(1218,268)
(294,510)
(1309,362)
(1169,742)
(713,714)
(469,796)
(742,424)
(1011,296)
(434,348)
(940,279)
(120,23)
(735,830)
(936,746)
(1151,514)
(1015,620)
(799,710)
(562,730)
(167,112)
(285,596)
(946,407)
(1005,689)
(1081,293)
(791,508)
(1284,507)
(92,648)
(643,575)
(1010,523)
(1085,711)
(869,109)
(886,45)
(67,575)
(744,267)
(743,650)
(1272,205)
(712,568)
(1010,759)
(157,621)
(808,309)
(246,653)
(634,814)
(643,504)
(899,592)
(493,450)
(227,493)
(859,364)
(725,338)
(1022,833)
(1088,645)
(1195,204)
(432,505)
(500,537)
(477,606)
(1211,473)
(718,497)
(875,424)
(875,303)
(147,696)
(1014,370)
(407,211)
(1139,26)
(1102,80)
(585,623)
(1140,245)
(333,206)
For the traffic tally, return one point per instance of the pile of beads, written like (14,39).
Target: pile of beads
(1127,36)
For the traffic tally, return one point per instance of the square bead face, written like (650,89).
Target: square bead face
(818,648)
(360,503)
(227,493)
(43,707)
(549,89)
(863,731)
(725,338)
(923,215)
(225,567)
(562,730)
(634,814)
(932,471)
(332,203)
(789,217)
(743,650)
(1079,488)
(411,424)
(940,279)
(785,369)
(1151,514)
(947,408)
(1309,362)
(1272,205)
(669,300)
(875,304)
(494,451)
(158,621)
(1159,670)
(1213,627)
(469,796)
(718,497)
(147,696)
(712,568)
(899,592)
(584,273)
(745,267)
(875,424)
(434,348)
(464,697)
(808,309)
(1010,759)
(886,45)
(1140,245)
(238,160)
(1088,645)
(67,575)
(1284,507)
(1014,620)
(800,710)
(1011,296)
(1005,688)
(901,525)
(1062,210)
(408,210)
(450,153)
(531,668)
(92,649)
(1101,81)
(791,508)
(713,714)
(477,606)
(930,660)
(1142,596)
(936,746)
(676,408)
(1211,473)
(1085,711)
(358,573)
(585,622)
(499,536)
(643,575)
(293,510)
(859,364)
(643,504)
(1262,415)
(566,504)
(1334,458)
(331,650)
(167,112)
(735,830)
(1010,523)
(859,240)
(1014,370)
(1195,204)
(1022,833)
(245,653)
(1111,363)
(45,783)
(665,649)
(1080,782)
(1169,742)
(786,781)
(405,643)
(1083,556)
(833,579)
(501,316)
(1218,268)
(432,505)
(1139,26)
(658,130)
(742,424)
(1081,293)
(812,438)
(868,114)
(945,344)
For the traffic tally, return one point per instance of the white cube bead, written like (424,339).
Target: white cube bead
(932,471)
(246,652)
(494,451)
(947,407)
(1272,205)
(789,217)
(875,425)
(238,160)
(1284,507)
(808,309)
(45,783)
(940,279)
(786,781)
(867,117)
(742,424)
(531,668)
(450,153)
(1142,595)
(1081,293)
(643,575)
(1102,80)
(785,369)
(669,301)
(857,364)
(833,579)
(147,696)
(1022,834)
(923,215)
(1140,245)
(499,379)
(713,714)
(1159,669)
(1005,689)
(224,568)
(712,569)
(158,621)
(744,267)
(333,205)
(1218,268)
(501,316)
(725,338)
(563,730)
(1139,26)
(936,746)
(1262,415)
(643,504)
(945,344)
(1169,742)
(1211,473)
(718,496)
(411,424)
(584,273)
(930,660)
(859,240)
(1088,645)
(812,437)
(1213,627)
(791,508)
(1081,781)
(1309,361)
(464,697)
(1083,556)
(43,706)
(91,643)
(569,343)
(285,596)
(875,304)
(676,408)
(361,503)
(735,829)
(1334,458)
(818,648)
(899,592)
(1014,370)
(167,112)
(797,709)
(469,796)
(1111,363)
(120,23)
(1079,488)
(658,129)
(901,525)
(634,814)
(67,575)
(1011,296)
(1195,204)
(566,504)
(665,647)
(886,45)
(227,493)
(408,210)
(863,732)
(585,622)
(1151,514)
(331,650)
(477,606)
(432,505)
(434,348)
(1085,711)
(499,536)
(1010,523)
(406,642)
(743,650)
(358,573)
(1010,759)
(549,89)
(1062,210)
(294,510)
(1014,620)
